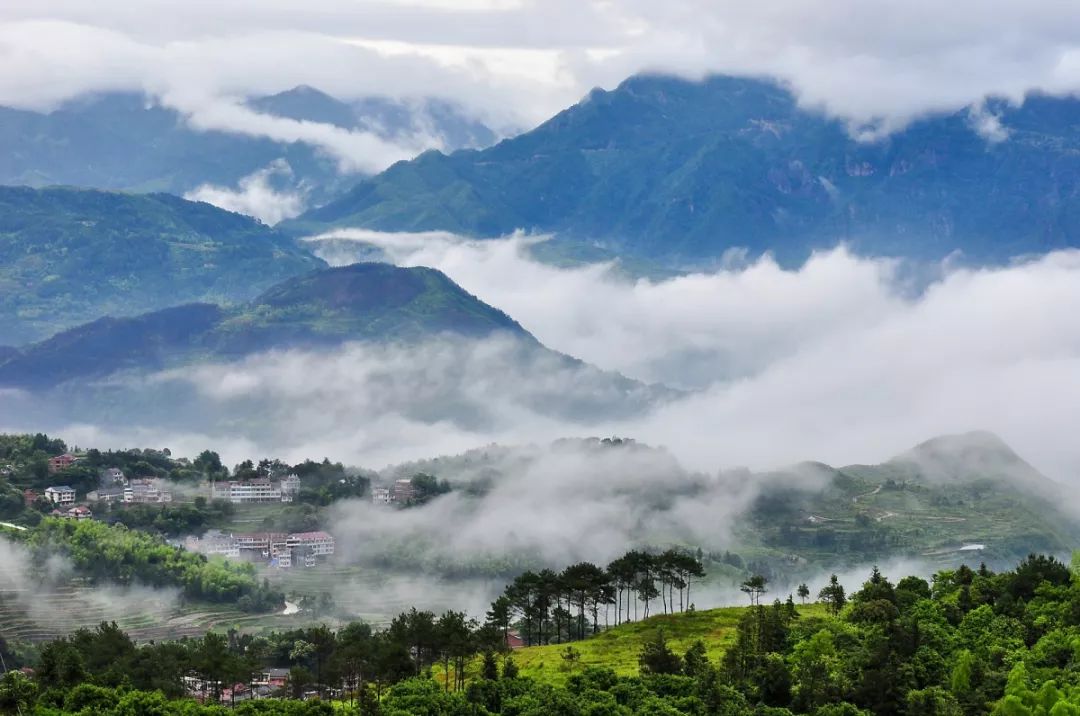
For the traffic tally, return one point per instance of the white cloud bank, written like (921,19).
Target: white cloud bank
(840,360)
(255,195)
(516,62)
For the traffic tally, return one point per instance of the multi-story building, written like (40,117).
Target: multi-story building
(290,487)
(380,495)
(402,492)
(277,549)
(261,489)
(146,491)
(60,495)
(61,462)
(319,543)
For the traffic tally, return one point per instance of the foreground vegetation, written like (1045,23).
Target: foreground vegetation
(965,642)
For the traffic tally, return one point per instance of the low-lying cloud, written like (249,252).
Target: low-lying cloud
(843,360)
(256,195)
(43,599)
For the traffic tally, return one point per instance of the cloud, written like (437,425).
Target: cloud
(987,124)
(843,359)
(44,598)
(255,196)
(875,64)
(355,150)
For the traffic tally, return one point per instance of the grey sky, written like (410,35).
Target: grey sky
(518,61)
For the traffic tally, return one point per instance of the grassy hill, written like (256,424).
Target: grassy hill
(665,168)
(618,648)
(68,256)
(377,302)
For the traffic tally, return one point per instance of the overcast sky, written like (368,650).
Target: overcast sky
(519,61)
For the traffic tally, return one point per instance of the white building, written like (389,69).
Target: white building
(317,543)
(380,495)
(290,487)
(60,495)
(146,491)
(259,490)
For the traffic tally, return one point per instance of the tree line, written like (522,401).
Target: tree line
(556,607)
(113,553)
(964,643)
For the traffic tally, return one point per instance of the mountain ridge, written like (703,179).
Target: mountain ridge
(663,167)
(366,301)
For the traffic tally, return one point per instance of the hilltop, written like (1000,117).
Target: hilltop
(950,493)
(69,255)
(671,169)
(377,302)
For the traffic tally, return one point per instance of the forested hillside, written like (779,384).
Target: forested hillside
(360,302)
(68,256)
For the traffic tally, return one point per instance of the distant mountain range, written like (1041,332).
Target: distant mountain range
(684,171)
(68,256)
(323,308)
(130,142)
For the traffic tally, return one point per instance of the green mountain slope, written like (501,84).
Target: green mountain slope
(370,301)
(68,256)
(683,171)
(951,492)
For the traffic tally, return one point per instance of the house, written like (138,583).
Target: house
(29,497)
(107,494)
(290,487)
(61,462)
(146,491)
(261,489)
(113,475)
(60,495)
(214,542)
(514,640)
(274,678)
(402,492)
(283,560)
(79,513)
(380,495)
(317,543)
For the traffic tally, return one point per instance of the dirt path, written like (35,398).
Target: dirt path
(868,494)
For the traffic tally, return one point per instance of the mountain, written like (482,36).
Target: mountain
(68,256)
(950,495)
(680,170)
(325,307)
(131,142)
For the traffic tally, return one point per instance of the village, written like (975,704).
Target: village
(272,549)
(279,550)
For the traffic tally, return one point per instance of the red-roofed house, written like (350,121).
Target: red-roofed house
(60,462)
